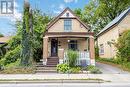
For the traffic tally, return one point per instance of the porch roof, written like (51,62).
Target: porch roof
(69,34)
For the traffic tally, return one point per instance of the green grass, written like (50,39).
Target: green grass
(18,70)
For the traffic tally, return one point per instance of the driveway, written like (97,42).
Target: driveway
(108,69)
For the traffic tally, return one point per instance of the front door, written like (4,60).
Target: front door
(54,47)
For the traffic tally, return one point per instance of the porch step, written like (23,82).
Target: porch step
(46,71)
(46,68)
(52,61)
(40,68)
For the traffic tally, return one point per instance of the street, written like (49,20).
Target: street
(68,85)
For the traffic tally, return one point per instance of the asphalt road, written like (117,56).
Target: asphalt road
(68,85)
(108,69)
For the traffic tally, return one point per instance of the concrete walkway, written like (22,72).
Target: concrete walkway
(110,73)
(123,78)
(108,69)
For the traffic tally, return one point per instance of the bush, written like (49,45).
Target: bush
(96,51)
(126,66)
(75,70)
(123,46)
(1,67)
(72,58)
(12,55)
(90,67)
(14,64)
(93,69)
(112,60)
(63,68)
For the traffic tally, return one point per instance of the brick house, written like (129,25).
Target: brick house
(64,32)
(112,32)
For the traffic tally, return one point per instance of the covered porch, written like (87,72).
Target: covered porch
(56,45)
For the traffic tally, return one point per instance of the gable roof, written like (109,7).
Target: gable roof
(58,17)
(117,20)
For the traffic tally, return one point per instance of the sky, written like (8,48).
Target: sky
(51,7)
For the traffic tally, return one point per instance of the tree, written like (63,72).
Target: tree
(123,46)
(27,35)
(39,24)
(108,10)
(98,13)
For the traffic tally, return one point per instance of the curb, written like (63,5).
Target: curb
(53,81)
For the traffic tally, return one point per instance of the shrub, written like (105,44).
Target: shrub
(72,58)
(75,70)
(96,51)
(93,69)
(12,55)
(63,68)
(14,64)
(90,67)
(2,61)
(126,66)
(1,67)
(123,46)
(107,60)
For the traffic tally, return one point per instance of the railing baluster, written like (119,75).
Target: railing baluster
(82,56)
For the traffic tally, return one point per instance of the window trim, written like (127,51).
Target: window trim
(73,43)
(67,25)
(101,49)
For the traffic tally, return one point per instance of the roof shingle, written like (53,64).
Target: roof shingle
(115,21)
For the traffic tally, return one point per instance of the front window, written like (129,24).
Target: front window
(101,51)
(73,44)
(67,25)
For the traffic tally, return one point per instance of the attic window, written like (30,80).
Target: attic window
(67,14)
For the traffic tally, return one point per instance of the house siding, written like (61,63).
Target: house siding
(113,34)
(124,24)
(59,26)
(63,44)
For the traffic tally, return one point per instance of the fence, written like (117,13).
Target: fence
(82,60)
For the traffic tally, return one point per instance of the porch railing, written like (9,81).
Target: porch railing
(82,60)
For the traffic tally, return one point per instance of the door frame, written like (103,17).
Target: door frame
(54,43)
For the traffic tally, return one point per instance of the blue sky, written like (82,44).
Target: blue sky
(52,7)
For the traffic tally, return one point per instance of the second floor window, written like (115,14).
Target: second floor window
(67,25)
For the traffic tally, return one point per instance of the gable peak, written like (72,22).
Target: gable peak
(67,13)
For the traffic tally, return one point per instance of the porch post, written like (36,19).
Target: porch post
(92,50)
(45,50)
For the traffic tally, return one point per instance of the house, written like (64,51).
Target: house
(3,47)
(4,40)
(65,32)
(110,33)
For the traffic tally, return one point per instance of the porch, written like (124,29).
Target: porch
(56,46)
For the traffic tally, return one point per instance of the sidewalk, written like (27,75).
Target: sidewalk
(124,78)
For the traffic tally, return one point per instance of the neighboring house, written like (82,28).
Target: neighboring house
(3,47)
(65,32)
(111,33)
(4,40)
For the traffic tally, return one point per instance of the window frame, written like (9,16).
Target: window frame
(73,42)
(67,25)
(101,49)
